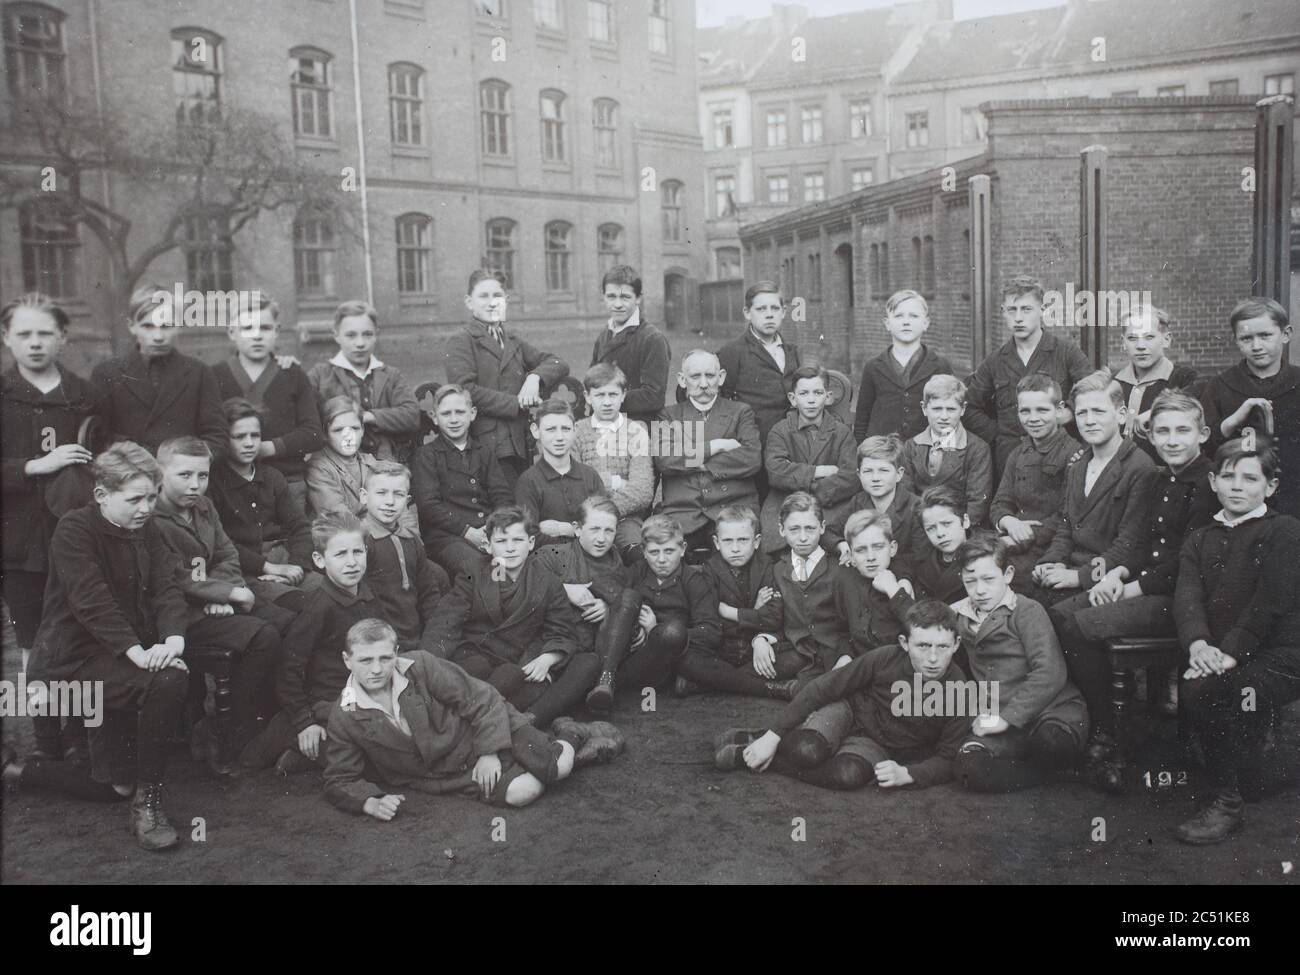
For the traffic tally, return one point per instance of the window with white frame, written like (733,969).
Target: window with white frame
(500,250)
(1279,84)
(196,75)
(552,111)
(660,28)
(600,21)
(406,104)
(776,131)
(860,120)
(546,14)
(671,199)
(494,116)
(972,125)
(723,137)
(309,83)
(814,187)
(414,254)
(778,188)
(34,53)
(810,124)
(314,252)
(51,249)
(604,121)
(724,194)
(861,177)
(917,125)
(209,253)
(609,246)
(559,253)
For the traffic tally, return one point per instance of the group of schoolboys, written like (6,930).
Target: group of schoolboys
(720,543)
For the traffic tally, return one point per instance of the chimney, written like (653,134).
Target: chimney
(788,17)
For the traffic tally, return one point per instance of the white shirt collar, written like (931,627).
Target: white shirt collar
(611,426)
(342,362)
(775,340)
(633,321)
(809,562)
(967,608)
(956,440)
(354,695)
(1161,372)
(703,408)
(1223,518)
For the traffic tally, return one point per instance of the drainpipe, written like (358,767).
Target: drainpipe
(361,153)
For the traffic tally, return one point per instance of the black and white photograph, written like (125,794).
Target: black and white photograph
(651,442)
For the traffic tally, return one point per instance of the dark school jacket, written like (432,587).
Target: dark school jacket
(187,402)
(643,353)
(888,403)
(754,378)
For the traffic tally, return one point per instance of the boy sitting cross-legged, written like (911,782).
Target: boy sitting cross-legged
(553,489)
(880,472)
(1033,479)
(510,623)
(945,454)
(618,449)
(596,582)
(872,739)
(1237,606)
(741,576)
(1041,722)
(809,450)
(407,585)
(422,723)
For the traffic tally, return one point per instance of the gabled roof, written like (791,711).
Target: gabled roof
(853,43)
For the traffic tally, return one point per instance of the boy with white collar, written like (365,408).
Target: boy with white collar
(632,345)
(945,454)
(1149,371)
(390,415)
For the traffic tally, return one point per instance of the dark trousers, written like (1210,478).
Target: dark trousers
(546,700)
(617,630)
(256,646)
(713,672)
(1018,757)
(652,664)
(1084,630)
(25,596)
(454,554)
(1231,733)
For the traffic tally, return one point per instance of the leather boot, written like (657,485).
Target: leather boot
(600,699)
(149,824)
(1215,822)
(782,690)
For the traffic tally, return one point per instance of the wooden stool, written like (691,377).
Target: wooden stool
(218,663)
(1127,654)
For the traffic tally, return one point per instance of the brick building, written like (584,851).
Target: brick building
(1179,226)
(898,89)
(554,138)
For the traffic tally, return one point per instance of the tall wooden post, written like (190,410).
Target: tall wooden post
(981,272)
(1092,252)
(1270,265)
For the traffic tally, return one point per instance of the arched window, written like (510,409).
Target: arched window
(873,270)
(552,110)
(34,55)
(310,85)
(559,253)
(604,120)
(406,104)
(196,75)
(494,111)
(314,253)
(660,28)
(414,254)
(609,245)
(501,249)
(51,249)
(209,252)
(671,203)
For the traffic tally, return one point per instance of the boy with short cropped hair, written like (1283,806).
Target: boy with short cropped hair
(945,454)
(407,585)
(880,473)
(936,574)
(870,741)
(758,365)
(632,345)
(870,598)
(511,624)
(1042,721)
(1237,605)
(259,513)
(1261,392)
(1033,480)
(390,415)
(285,395)
(373,745)
(991,391)
(1140,603)
(115,615)
(553,489)
(457,483)
(618,449)
(810,450)
(221,605)
(1102,522)
(889,395)
(741,576)
(679,609)
(1149,370)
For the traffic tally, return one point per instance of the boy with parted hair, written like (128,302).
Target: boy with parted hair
(553,489)
(635,347)
(1149,371)
(880,473)
(889,395)
(945,454)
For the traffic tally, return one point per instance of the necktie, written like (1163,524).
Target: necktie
(935,460)
(800,569)
(495,331)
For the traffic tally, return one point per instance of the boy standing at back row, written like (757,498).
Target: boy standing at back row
(636,347)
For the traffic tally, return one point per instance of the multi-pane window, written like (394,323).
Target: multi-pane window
(728,263)
(860,122)
(604,121)
(34,53)
(414,254)
(208,252)
(1228,86)
(547,14)
(671,204)
(609,246)
(406,104)
(196,75)
(778,189)
(600,20)
(972,125)
(776,134)
(810,124)
(814,187)
(494,113)
(309,83)
(553,126)
(918,129)
(724,195)
(501,249)
(1279,84)
(861,178)
(723,137)
(660,30)
(50,249)
(314,252)
(559,254)
(1171,91)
